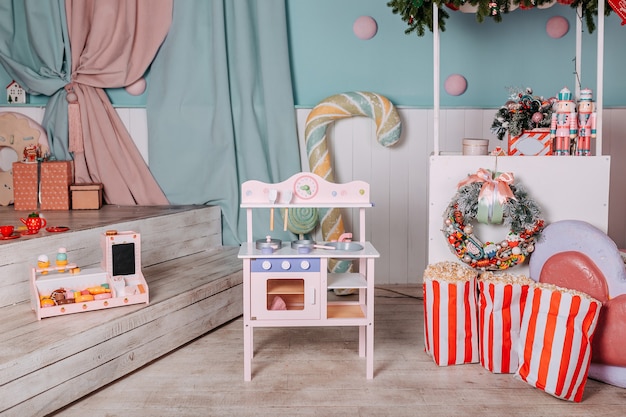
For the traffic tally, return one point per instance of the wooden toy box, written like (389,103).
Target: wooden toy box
(86,196)
(120,271)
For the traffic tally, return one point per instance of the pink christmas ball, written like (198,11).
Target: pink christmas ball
(557,27)
(537,117)
(365,27)
(137,88)
(455,85)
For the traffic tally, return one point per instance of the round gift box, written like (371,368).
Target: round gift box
(475,146)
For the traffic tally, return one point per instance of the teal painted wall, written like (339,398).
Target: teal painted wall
(327,58)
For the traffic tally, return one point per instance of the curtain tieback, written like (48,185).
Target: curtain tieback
(73,118)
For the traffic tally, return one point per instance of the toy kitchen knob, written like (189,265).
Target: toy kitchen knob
(33,224)
(285,265)
(305,265)
(266,265)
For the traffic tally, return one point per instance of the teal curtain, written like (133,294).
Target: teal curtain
(34,51)
(220,108)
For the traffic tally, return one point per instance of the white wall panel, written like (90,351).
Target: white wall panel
(398,224)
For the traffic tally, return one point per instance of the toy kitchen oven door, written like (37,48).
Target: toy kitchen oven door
(286,288)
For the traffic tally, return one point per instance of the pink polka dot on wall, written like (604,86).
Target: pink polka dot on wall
(365,27)
(455,85)
(137,88)
(557,27)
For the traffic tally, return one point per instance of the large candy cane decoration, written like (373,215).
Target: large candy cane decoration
(341,106)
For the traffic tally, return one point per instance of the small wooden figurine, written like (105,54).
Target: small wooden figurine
(586,123)
(564,125)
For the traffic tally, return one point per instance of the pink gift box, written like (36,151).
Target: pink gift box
(25,186)
(56,178)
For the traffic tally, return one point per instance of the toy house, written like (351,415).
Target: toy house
(15,93)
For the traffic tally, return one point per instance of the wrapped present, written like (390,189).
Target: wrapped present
(55,179)
(555,340)
(450,320)
(86,196)
(501,301)
(25,185)
(536,142)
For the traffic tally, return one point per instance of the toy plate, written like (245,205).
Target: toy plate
(57,229)
(13,236)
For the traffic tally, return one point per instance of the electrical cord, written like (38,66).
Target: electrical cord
(403,295)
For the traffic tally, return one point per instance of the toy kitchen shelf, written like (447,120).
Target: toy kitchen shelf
(288,287)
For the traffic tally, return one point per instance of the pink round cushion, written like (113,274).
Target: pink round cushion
(580,236)
(608,345)
(576,271)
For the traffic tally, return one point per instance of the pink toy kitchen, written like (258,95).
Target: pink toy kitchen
(286,284)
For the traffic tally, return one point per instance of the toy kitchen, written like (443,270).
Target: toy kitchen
(286,284)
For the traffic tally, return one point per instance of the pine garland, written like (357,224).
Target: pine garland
(418,14)
(523,111)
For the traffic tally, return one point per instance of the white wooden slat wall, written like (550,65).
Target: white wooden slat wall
(398,224)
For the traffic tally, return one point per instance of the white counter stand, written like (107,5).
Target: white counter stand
(299,282)
(564,187)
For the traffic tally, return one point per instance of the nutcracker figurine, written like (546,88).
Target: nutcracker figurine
(586,123)
(564,125)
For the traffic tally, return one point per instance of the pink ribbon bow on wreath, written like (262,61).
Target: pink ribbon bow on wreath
(493,194)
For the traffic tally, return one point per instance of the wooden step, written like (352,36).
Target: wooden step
(166,233)
(195,286)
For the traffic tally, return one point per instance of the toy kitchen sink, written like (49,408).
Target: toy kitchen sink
(286,284)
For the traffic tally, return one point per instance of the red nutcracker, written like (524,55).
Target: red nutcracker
(586,123)
(564,124)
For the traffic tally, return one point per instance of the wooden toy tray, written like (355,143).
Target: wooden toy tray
(44,281)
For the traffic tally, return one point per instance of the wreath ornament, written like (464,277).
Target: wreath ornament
(492,198)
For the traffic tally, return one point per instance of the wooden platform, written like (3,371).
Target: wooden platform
(194,282)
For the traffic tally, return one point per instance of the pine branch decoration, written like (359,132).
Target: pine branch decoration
(418,14)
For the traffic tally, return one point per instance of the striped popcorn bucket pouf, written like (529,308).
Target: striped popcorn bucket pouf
(501,300)
(450,320)
(555,340)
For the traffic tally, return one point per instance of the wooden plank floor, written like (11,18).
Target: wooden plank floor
(317,372)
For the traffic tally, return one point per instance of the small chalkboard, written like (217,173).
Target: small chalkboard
(123,259)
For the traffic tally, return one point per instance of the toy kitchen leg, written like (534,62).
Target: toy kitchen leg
(366,333)
(248,332)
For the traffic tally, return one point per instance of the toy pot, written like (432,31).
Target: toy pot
(33,224)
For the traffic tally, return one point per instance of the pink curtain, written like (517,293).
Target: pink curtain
(112,44)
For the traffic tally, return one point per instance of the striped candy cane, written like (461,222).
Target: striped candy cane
(341,106)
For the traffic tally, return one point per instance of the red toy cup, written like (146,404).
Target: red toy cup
(6,231)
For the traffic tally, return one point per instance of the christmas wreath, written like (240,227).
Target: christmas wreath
(492,198)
